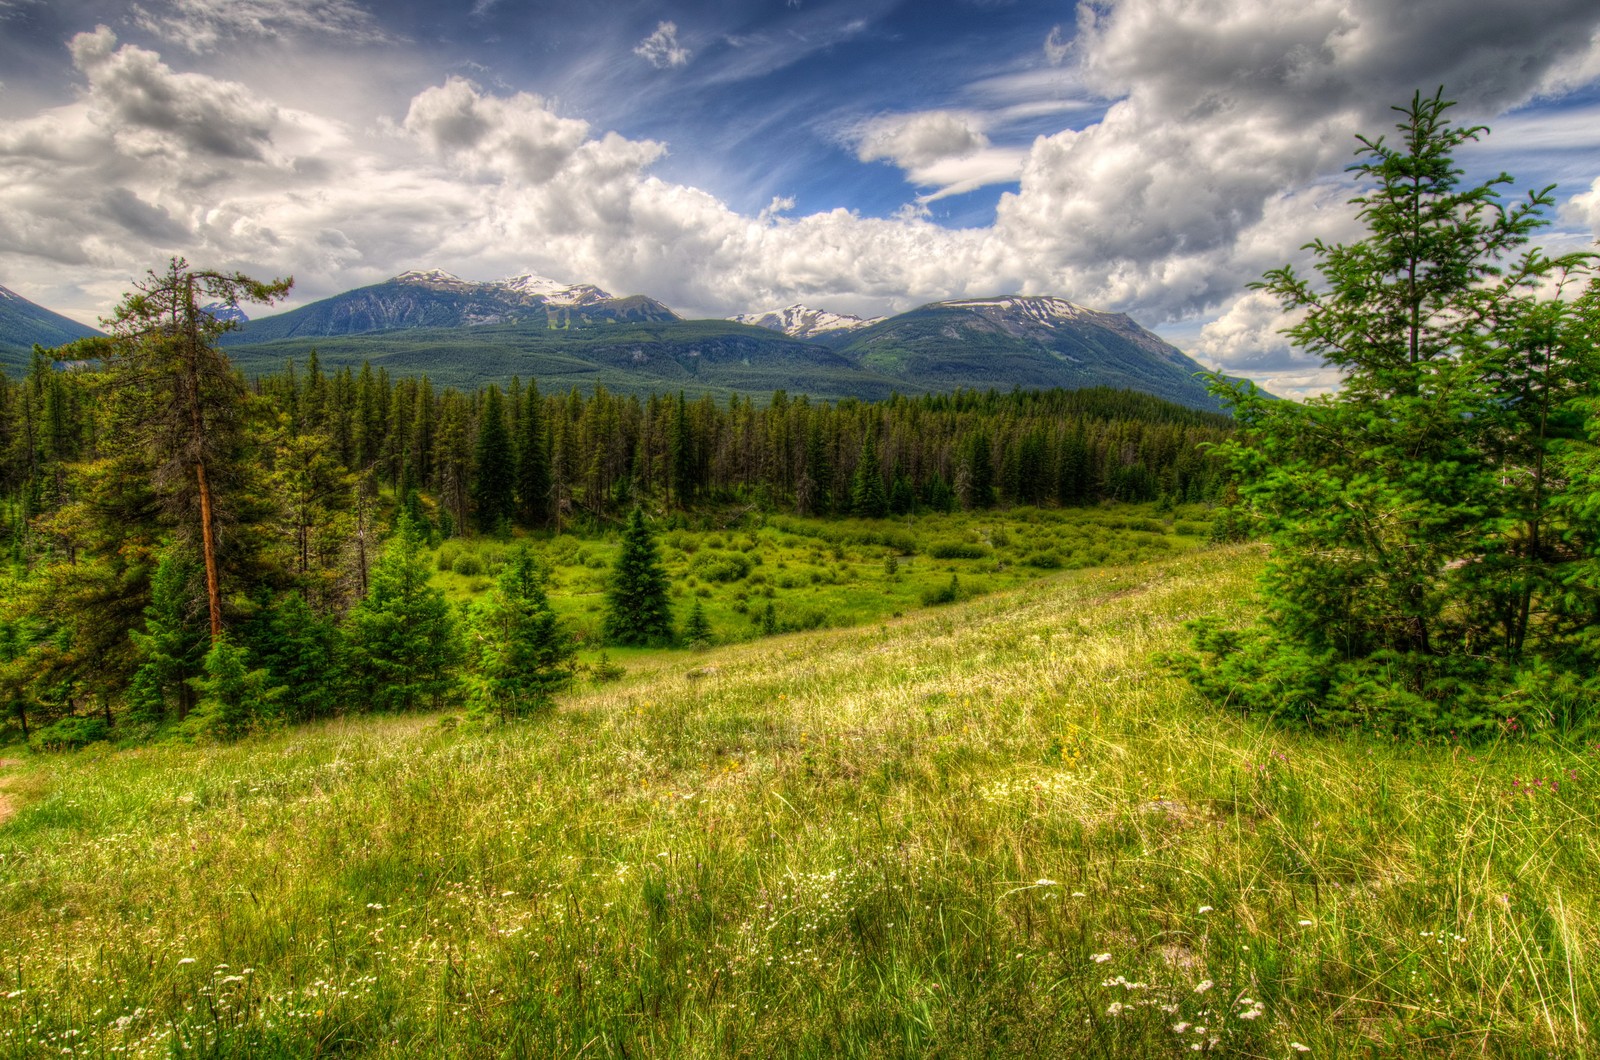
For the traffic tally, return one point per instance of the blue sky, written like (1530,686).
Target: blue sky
(1149,156)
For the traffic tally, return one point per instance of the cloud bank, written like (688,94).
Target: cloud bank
(1218,151)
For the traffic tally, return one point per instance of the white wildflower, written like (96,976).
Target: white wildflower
(1099,958)
(1203,985)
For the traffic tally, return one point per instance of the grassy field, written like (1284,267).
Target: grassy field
(816,573)
(980,830)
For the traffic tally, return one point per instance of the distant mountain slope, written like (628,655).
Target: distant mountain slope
(700,356)
(22,323)
(436,299)
(1033,343)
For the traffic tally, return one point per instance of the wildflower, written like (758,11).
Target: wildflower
(1045,883)
(1180,1027)
(186,960)
(1205,909)
(1305,923)
(1203,985)
(1099,958)
(1115,1009)
(1297,1047)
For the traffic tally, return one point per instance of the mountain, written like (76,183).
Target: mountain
(465,333)
(698,356)
(436,299)
(802,322)
(22,323)
(1030,342)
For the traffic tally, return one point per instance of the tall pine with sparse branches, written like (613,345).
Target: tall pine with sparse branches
(1426,569)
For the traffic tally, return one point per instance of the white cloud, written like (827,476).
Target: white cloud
(661,49)
(1057,46)
(912,141)
(1212,149)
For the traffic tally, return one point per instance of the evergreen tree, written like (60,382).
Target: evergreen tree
(637,611)
(401,642)
(1425,571)
(233,698)
(697,629)
(494,468)
(296,647)
(867,496)
(172,647)
(533,461)
(521,654)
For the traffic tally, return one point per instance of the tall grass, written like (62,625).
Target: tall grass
(990,829)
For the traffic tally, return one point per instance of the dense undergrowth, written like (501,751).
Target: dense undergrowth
(989,829)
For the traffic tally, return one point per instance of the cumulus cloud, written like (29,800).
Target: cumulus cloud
(205,25)
(911,141)
(1214,148)
(150,109)
(661,49)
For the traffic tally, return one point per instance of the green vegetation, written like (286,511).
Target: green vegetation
(1436,560)
(983,831)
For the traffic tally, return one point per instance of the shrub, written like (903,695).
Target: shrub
(468,565)
(69,734)
(958,550)
(720,567)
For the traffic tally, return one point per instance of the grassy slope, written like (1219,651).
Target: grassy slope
(982,830)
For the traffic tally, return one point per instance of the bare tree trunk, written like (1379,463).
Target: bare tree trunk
(208,547)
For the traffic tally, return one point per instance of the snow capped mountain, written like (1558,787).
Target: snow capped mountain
(802,322)
(553,292)
(522,289)
(1045,310)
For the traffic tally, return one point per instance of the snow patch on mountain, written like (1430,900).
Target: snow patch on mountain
(526,288)
(801,322)
(1044,310)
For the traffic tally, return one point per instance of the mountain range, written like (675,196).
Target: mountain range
(467,333)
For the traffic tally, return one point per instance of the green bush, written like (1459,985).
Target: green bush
(69,734)
(721,566)
(958,550)
(468,565)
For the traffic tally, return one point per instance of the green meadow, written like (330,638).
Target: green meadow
(990,828)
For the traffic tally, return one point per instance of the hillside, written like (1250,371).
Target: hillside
(1032,343)
(988,830)
(1002,344)
(23,324)
(701,356)
(436,299)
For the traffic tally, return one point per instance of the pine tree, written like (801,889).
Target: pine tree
(637,610)
(401,642)
(296,647)
(521,654)
(533,461)
(697,629)
(172,646)
(1425,571)
(867,496)
(164,357)
(494,480)
(233,698)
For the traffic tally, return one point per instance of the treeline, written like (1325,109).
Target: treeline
(158,509)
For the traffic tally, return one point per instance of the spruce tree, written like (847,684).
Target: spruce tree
(401,640)
(867,496)
(697,628)
(172,645)
(533,461)
(637,610)
(521,654)
(1426,571)
(233,698)
(494,481)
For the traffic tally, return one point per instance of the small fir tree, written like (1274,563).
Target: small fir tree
(401,641)
(233,698)
(521,654)
(697,628)
(172,646)
(637,610)
(867,496)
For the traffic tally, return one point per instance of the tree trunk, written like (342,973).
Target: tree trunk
(208,547)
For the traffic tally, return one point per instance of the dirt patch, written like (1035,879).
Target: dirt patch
(6,808)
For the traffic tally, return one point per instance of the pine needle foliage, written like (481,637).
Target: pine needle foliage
(1430,570)
(521,653)
(637,608)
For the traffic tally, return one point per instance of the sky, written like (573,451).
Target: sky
(1151,157)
